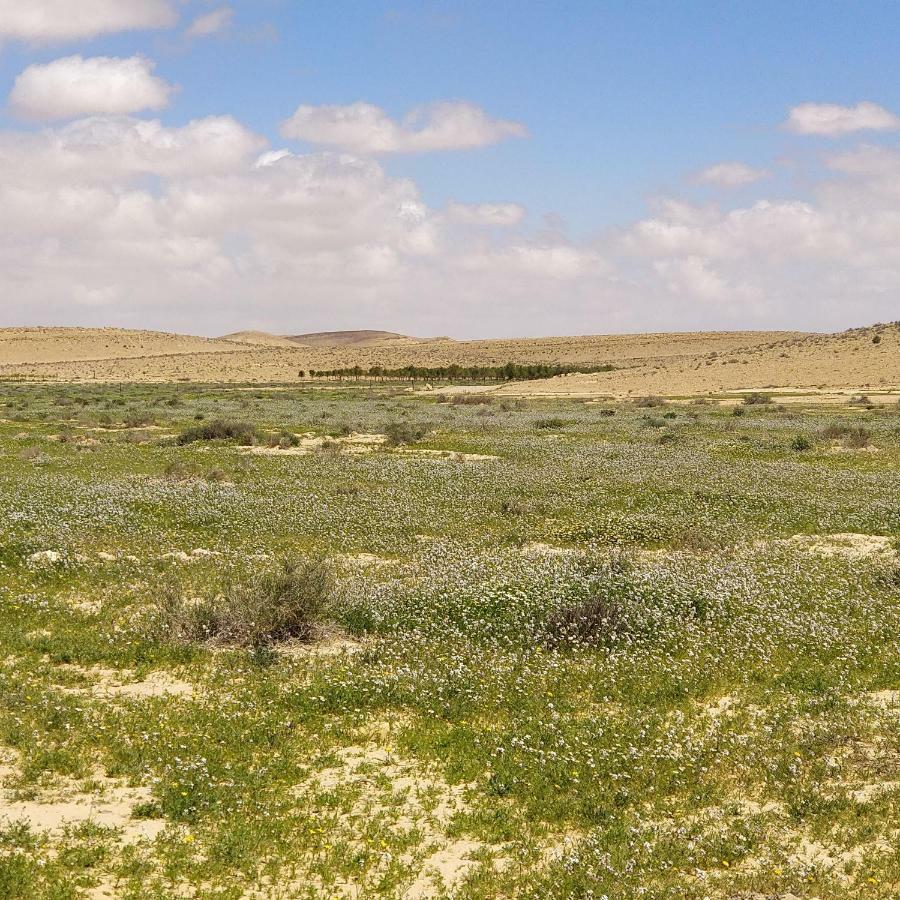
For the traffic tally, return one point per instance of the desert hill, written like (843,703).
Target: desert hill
(665,364)
(258,339)
(364,338)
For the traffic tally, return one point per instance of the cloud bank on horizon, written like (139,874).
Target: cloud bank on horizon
(110,214)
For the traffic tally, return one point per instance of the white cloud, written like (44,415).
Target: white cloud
(203,227)
(47,21)
(120,150)
(366,129)
(731,174)
(832,120)
(489,214)
(211,23)
(693,277)
(75,86)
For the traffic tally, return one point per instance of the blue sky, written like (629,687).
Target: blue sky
(623,103)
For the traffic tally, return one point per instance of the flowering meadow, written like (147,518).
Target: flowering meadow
(562,649)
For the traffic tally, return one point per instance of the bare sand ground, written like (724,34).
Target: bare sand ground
(823,366)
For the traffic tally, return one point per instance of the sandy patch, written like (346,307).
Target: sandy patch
(109,803)
(388,786)
(351,443)
(848,545)
(336,646)
(887,700)
(108,684)
(451,455)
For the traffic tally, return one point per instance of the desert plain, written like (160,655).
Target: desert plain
(624,634)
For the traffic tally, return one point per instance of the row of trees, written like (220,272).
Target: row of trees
(509,372)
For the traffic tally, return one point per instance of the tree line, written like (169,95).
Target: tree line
(508,372)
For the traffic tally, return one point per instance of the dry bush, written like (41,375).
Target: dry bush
(271,607)
(472,399)
(649,402)
(243,433)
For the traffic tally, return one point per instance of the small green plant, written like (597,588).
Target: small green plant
(800,443)
(757,399)
(243,433)
(546,424)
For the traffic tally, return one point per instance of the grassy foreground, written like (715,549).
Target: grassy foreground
(541,650)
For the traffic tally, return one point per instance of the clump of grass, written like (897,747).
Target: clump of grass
(243,433)
(269,608)
(757,399)
(861,401)
(179,471)
(597,619)
(399,433)
(854,437)
(649,402)
(800,443)
(32,454)
(472,400)
(283,439)
(546,424)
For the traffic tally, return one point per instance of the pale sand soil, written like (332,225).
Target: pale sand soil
(799,367)
(123,356)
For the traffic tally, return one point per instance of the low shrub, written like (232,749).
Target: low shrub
(554,422)
(757,399)
(283,439)
(243,433)
(399,433)
(801,443)
(852,436)
(472,399)
(271,607)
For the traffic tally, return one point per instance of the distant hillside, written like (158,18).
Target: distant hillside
(686,364)
(363,338)
(258,339)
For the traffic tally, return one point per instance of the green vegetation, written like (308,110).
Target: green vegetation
(479,374)
(516,649)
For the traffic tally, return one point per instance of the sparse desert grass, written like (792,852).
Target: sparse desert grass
(540,662)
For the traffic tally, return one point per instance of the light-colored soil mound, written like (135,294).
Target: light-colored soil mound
(59,345)
(258,339)
(364,338)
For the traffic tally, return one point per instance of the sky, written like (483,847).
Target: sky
(446,167)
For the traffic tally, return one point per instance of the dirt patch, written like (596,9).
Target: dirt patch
(109,803)
(120,683)
(848,545)
(336,646)
(193,556)
(309,443)
(408,799)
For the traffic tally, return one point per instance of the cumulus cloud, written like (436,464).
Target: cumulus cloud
(731,174)
(211,23)
(496,214)
(120,220)
(366,129)
(75,86)
(831,120)
(47,21)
